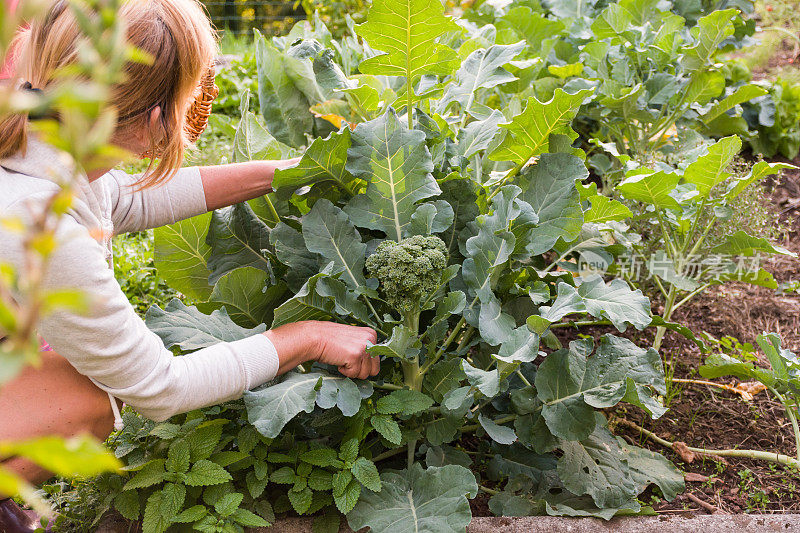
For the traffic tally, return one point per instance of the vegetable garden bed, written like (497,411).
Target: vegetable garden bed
(509,165)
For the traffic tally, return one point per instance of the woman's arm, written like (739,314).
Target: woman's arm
(191,191)
(226,185)
(111,345)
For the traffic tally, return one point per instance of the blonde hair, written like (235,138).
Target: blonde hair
(178,36)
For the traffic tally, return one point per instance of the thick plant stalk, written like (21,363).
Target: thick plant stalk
(791,416)
(412,375)
(745,454)
(668,308)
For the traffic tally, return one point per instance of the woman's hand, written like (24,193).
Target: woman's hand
(230,184)
(327,342)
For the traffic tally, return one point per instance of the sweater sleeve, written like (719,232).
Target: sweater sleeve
(135,209)
(112,345)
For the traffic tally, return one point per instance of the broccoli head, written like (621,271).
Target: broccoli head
(409,270)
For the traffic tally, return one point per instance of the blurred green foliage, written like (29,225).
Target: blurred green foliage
(241,17)
(332,13)
(136,272)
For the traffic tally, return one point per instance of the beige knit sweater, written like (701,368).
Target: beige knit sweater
(110,344)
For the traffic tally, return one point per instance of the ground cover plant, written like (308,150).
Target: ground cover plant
(443,199)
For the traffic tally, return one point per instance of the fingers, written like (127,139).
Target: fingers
(350,370)
(366,367)
(346,347)
(363,364)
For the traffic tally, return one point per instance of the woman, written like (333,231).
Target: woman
(108,351)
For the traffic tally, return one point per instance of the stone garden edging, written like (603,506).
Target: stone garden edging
(717,523)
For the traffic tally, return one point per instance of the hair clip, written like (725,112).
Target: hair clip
(28,87)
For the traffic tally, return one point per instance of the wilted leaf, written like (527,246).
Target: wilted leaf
(571,383)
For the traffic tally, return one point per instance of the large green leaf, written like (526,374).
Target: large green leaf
(397,165)
(344,393)
(759,171)
(604,209)
(251,141)
(483,68)
(571,383)
(719,365)
(403,344)
(181,255)
(596,466)
(328,232)
(540,33)
(443,377)
(247,295)
(647,467)
(549,187)
(271,407)
(529,132)
(237,238)
(283,106)
(406,30)
(645,185)
(290,249)
(486,381)
(323,160)
(500,434)
(710,169)
(740,243)
(614,301)
(478,134)
(612,21)
(739,96)
(517,460)
(189,329)
(522,346)
(418,501)
(709,33)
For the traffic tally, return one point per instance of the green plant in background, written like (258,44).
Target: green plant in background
(655,68)
(333,13)
(136,272)
(84,127)
(233,79)
(775,118)
(782,380)
(683,209)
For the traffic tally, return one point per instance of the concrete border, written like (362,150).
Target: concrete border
(717,523)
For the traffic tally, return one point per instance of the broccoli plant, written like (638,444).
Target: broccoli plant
(425,207)
(409,273)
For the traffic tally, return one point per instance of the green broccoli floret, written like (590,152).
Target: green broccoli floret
(409,270)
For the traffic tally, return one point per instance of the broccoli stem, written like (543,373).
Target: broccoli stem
(412,377)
